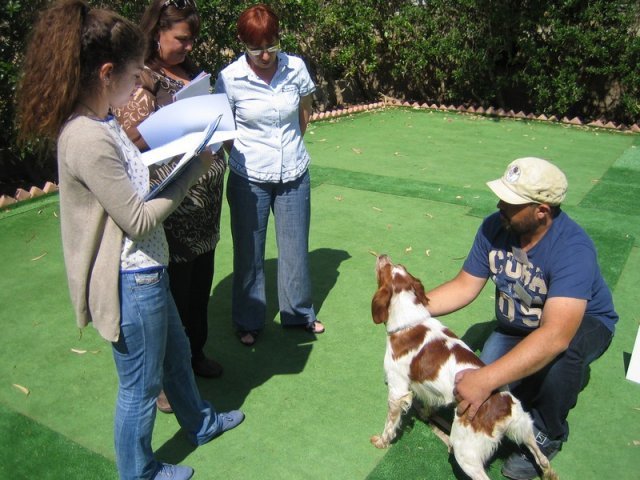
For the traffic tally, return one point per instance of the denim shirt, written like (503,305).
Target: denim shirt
(269,145)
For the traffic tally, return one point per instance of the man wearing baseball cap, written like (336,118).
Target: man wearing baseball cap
(554,311)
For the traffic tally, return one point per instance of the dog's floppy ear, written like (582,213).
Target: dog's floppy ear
(418,290)
(380,304)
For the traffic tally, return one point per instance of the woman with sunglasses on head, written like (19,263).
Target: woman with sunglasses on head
(80,63)
(193,230)
(270,95)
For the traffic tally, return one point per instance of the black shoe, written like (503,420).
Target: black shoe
(206,367)
(522,466)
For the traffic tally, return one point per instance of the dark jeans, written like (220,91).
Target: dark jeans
(191,289)
(549,394)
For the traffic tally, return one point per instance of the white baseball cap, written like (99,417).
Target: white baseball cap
(531,180)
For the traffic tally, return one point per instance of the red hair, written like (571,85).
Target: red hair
(258,24)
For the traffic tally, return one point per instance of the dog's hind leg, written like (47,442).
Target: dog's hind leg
(520,430)
(397,406)
(543,462)
(471,449)
(471,463)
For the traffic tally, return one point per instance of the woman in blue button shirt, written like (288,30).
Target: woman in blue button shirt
(270,95)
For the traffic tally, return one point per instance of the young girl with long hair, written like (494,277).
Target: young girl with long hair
(80,63)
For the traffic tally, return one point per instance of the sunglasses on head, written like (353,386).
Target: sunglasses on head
(179,4)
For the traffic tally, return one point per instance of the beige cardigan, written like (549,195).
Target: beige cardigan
(97,204)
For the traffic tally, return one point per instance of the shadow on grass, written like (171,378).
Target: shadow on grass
(477,334)
(277,351)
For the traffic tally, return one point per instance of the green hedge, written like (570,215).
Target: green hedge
(561,57)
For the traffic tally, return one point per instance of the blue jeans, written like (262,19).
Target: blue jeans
(549,394)
(153,353)
(250,204)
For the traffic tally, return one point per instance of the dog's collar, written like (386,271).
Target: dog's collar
(399,329)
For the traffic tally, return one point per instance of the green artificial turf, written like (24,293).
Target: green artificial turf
(31,450)
(410,183)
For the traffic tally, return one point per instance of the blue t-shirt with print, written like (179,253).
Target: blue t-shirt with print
(562,264)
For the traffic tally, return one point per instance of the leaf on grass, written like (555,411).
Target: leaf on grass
(24,390)
(356,150)
(373,253)
(427,253)
(38,257)
(377,209)
(408,249)
(80,351)
(339,198)
(636,443)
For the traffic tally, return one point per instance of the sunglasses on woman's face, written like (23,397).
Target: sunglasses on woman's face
(258,51)
(179,4)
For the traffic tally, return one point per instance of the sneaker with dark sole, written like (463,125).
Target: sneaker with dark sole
(522,466)
(173,472)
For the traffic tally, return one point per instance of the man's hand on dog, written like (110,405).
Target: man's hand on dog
(470,391)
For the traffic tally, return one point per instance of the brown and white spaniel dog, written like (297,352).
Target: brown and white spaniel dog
(422,359)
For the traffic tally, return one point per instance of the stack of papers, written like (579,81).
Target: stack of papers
(200,85)
(193,152)
(196,120)
(180,126)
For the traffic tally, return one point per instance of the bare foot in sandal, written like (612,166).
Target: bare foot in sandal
(247,338)
(316,327)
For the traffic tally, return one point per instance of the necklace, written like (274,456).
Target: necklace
(93,115)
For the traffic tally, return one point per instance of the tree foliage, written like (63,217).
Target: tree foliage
(561,57)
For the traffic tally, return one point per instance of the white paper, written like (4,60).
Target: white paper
(180,145)
(633,372)
(201,85)
(187,116)
(196,145)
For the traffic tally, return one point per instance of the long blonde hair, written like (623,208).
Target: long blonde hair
(67,47)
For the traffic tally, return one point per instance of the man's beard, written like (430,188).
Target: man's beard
(523,227)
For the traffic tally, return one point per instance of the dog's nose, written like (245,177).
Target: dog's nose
(383,259)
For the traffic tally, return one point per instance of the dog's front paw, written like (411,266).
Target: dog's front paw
(378,442)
